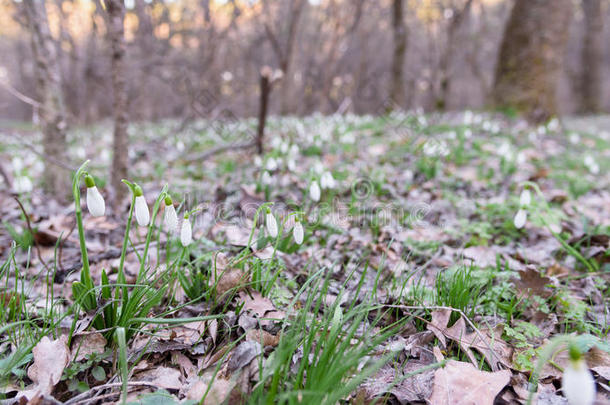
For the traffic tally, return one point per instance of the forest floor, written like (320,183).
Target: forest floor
(446,258)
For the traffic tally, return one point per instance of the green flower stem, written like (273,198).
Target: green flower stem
(86,273)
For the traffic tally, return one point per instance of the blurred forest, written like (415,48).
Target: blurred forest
(199,57)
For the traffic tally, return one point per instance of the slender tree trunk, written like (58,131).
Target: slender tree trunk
(116,15)
(265,89)
(592,57)
(530,58)
(52,111)
(399,31)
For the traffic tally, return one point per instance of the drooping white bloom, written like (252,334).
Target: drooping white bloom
(314,191)
(291,163)
(95,202)
(574,138)
(318,167)
(327,180)
(284,147)
(170,218)
(266,178)
(520,218)
(141,210)
(17,163)
(271,164)
(271,224)
(23,184)
(186,232)
(591,164)
(298,232)
(294,150)
(577,383)
(258,162)
(526,198)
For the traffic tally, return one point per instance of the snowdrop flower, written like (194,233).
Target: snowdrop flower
(520,218)
(271,164)
(526,198)
(186,232)
(468,117)
(284,147)
(95,201)
(17,163)
(314,191)
(327,180)
(591,164)
(294,150)
(577,382)
(291,164)
(266,178)
(574,138)
(318,167)
(467,133)
(271,223)
(170,218)
(23,184)
(258,162)
(521,158)
(141,208)
(297,232)
(276,142)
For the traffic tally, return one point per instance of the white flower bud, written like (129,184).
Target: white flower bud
(258,162)
(22,184)
(520,219)
(95,202)
(170,219)
(298,233)
(314,191)
(526,198)
(186,232)
(271,224)
(577,384)
(141,210)
(318,167)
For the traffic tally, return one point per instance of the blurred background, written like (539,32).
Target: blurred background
(199,57)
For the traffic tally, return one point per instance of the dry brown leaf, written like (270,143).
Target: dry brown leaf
(218,393)
(532,282)
(162,377)
(87,344)
(267,338)
(50,359)
(460,383)
(493,348)
(413,389)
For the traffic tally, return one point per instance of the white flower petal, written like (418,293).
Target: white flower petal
(95,202)
(578,385)
(186,233)
(526,198)
(314,191)
(170,219)
(298,233)
(271,224)
(141,211)
(520,219)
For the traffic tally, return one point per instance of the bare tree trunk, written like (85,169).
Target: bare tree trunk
(399,31)
(446,59)
(592,57)
(262,112)
(531,56)
(284,54)
(52,111)
(116,15)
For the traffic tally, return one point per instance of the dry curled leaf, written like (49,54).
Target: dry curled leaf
(460,383)
(85,345)
(50,359)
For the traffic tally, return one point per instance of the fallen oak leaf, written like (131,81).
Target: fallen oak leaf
(50,359)
(460,383)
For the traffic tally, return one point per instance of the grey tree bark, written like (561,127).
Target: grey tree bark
(592,57)
(399,31)
(52,108)
(531,56)
(116,16)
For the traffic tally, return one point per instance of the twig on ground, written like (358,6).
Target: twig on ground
(219,149)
